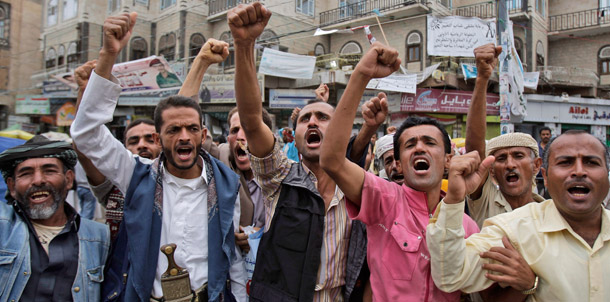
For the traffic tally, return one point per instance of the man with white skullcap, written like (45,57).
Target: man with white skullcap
(385,154)
(511,177)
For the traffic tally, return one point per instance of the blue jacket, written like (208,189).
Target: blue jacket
(93,242)
(135,252)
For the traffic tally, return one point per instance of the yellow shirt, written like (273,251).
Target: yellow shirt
(567,267)
(491,203)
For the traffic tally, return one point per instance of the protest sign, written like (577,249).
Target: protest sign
(530,79)
(152,73)
(456,36)
(399,83)
(286,65)
(469,71)
(220,88)
(32,104)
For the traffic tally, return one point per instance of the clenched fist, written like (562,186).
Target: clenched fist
(247,22)
(379,62)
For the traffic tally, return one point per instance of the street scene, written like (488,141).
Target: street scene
(301,150)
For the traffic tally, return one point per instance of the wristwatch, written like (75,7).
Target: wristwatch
(531,290)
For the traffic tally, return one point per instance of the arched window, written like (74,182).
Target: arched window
(351,47)
(519,48)
(70,9)
(319,50)
(51,12)
(267,39)
(50,58)
(4,24)
(167,46)
(230,61)
(604,60)
(61,52)
(413,47)
(195,44)
(539,54)
(138,48)
(72,54)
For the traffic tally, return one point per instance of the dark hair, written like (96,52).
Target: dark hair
(413,121)
(220,139)
(547,151)
(175,101)
(544,128)
(314,101)
(154,61)
(136,122)
(266,117)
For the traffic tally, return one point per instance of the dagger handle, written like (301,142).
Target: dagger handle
(172,268)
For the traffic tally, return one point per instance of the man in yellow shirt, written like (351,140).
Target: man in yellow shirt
(563,240)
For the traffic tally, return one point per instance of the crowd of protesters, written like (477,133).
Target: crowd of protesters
(343,217)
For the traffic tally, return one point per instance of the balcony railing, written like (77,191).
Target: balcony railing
(488,9)
(219,6)
(362,9)
(571,76)
(582,19)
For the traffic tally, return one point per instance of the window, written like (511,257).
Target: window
(351,47)
(519,48)
(230,61)
(539,54)
(167,3)
(138,49)
(267,39)
(143,2)
(4,24)
(413,47)
(70,9)
(319,50)
(540,7)
(61,51)
(604,60)
(50,58)
(167,46)
(604,3)
(305,7)
(113,5)
(52,12)
(72,54)
(195,44)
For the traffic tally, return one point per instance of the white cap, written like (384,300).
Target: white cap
(384,144)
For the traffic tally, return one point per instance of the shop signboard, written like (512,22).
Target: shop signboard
(568,113)
(220,88)
(65,114)
(32,104)
(290,98)
(444,101)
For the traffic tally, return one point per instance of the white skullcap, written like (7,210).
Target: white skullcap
(516,139)
(384,144)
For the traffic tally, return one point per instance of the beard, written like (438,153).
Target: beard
(169,156)
(43,210)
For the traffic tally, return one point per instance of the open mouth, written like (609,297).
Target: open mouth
(240,151)
(512,177)
(313,137)
(579,190)
(39,196)
(397,177)
(184,153)
(421,165)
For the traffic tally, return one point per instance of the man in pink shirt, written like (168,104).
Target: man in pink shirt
(396,216)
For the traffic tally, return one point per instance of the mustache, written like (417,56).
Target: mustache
(579,180)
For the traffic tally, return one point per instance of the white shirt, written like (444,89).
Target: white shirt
(184,200)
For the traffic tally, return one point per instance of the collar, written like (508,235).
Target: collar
(417,199)
(552,221)
(172,179)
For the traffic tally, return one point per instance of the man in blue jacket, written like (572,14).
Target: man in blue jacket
(47,252)
(184,196)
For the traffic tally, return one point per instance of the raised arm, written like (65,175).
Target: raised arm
(247,22)
(476,123)
(213,51)
(372,120)
(99,100)
(380,61)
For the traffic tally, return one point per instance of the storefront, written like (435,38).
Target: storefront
(566,113)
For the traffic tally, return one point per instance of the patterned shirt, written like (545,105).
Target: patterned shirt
(270,171)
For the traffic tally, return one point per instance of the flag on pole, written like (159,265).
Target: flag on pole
(369,35)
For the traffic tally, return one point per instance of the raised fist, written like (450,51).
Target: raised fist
(486,57)
(117,31)
(322,92)
(247,22)
(379,62)
(82,74)
(375,110)
(214,51)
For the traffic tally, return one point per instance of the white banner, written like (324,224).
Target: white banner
(399,83)
(286,65)
(456,36)
(530,79)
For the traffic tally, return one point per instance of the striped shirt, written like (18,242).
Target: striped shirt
(270,171)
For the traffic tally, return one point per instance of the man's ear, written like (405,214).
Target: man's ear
(537,165)
(544,177)
(204,134)
(156,138)
(448,157)
(10,184)
(69,179)
(398,166)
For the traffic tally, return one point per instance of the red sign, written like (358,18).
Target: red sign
(445,101)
